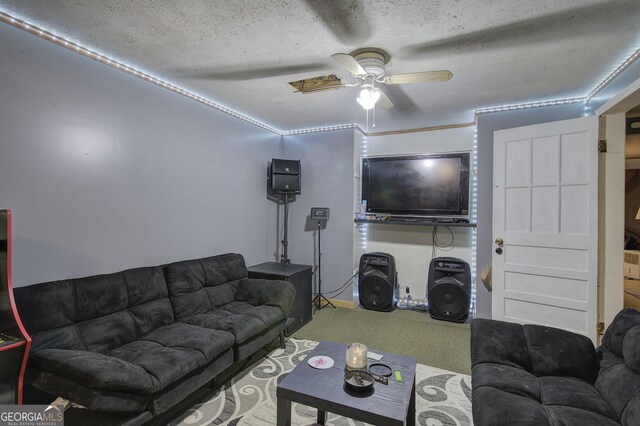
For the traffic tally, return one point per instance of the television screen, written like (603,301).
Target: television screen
(421,185)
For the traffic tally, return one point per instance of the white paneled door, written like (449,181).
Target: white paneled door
(545,225)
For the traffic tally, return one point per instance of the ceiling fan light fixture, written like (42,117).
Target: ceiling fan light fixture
(368,97)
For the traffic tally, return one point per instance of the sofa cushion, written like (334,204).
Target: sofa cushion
(607,359)
(185,281)
(507,378)
(107,332)
(47,312)
(619,377)
(173,352)
(614,335)
(496,407)
(620,386)
(570,416)
(546,377)
(95,313)
(550,393)
(575,393)
(93,399)
(555,352)
(269,315)
(631,348)
(99,295)
(242,326)
(255,291)
(145,366)
(94,370)
(224,268)
(201,285)
(499,342)
(46,306)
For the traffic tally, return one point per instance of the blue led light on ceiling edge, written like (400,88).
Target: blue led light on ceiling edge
(77,47)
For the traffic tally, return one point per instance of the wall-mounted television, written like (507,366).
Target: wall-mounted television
(417,185)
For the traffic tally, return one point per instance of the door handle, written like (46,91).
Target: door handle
(499,241)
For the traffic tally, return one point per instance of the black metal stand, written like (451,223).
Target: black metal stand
(284,257)
(317,301)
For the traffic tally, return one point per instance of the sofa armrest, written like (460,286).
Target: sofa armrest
(94,370)
(267,292)
(499,342)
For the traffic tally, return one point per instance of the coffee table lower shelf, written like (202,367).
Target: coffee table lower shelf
(392,404)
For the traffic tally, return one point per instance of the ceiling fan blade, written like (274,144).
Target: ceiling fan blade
(419,77)
(574,22)
(402,103)
(384,101)
(349,62)
(256,71)
(345,19)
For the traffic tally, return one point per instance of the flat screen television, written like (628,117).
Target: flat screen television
(417,185)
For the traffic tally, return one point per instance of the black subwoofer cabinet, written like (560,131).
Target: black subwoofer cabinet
(300,277)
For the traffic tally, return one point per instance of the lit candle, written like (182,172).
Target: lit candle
(356,357)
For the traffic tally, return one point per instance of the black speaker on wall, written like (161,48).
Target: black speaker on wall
(284,176)
(378,281)
(449,289)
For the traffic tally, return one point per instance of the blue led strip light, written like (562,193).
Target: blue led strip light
(75,47)
(474,219)
(530,105)
(623,65)
(321,129)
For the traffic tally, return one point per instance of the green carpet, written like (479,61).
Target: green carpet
(436,343)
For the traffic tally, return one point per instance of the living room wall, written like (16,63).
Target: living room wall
(412,246)
(489,123)
(327,172)
(104,171)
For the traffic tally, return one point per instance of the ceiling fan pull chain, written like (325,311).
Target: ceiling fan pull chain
(374,116)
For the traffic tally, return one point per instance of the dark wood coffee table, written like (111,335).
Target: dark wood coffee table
(392,404)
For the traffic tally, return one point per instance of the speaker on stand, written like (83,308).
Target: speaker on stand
(378,282)
(284,180)
(449,289)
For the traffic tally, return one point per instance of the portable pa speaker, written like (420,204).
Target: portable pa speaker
(449,289)
(284,176)
(377,284)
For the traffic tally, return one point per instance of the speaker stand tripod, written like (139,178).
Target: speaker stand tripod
(284,257)
(318,300)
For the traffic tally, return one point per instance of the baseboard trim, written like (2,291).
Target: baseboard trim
(342,303)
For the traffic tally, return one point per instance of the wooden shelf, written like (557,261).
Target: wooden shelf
(416,222)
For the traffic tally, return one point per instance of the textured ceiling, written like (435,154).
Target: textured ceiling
(241,53)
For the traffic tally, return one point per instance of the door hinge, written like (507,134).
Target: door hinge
(602,145)
(600,328)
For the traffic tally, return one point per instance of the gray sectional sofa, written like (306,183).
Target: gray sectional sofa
(536,375)
(141,340)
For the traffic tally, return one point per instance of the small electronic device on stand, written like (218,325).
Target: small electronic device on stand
(320,215)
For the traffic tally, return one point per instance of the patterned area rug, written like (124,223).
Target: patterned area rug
(443,397)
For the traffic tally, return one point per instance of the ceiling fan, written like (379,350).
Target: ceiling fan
(368,65)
